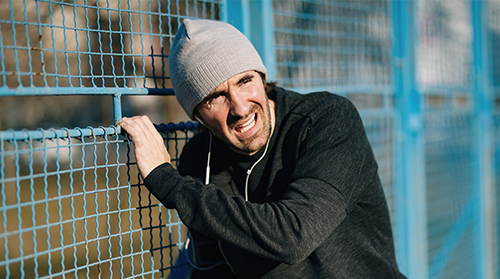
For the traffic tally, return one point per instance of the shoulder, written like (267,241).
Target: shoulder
(332,108)
(316,105)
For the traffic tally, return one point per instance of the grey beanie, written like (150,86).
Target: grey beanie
(204,54)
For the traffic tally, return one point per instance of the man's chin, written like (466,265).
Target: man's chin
(244,150)
(249,148)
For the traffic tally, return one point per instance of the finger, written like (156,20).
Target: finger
(135,128)
(150,127)
(150,149)
(127,126)
(131,127)
(143,132)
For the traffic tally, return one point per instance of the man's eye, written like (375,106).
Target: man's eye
(215,100)
(246,80)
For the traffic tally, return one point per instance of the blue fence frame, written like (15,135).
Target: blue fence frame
(424,74)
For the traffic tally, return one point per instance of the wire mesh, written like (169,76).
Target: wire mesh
(444,53)
(444,74)
(75,206)
(325,44)
(450,195)
(91,43)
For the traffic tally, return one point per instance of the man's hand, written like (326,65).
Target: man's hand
(150,150)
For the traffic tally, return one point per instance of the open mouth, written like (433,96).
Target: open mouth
(245,127)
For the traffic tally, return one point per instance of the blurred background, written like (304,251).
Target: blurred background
(424,74)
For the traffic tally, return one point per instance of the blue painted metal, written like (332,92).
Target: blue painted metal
(11,135)
(117,109)
(254,19)
(484,182)
(4,212)
(182,126)
(262,33)
(409,151)
(60,91)
(236,13)
(461,223)
(115,92)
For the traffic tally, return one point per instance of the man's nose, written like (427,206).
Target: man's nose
(239,106)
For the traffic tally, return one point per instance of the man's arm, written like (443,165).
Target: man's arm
(285,231)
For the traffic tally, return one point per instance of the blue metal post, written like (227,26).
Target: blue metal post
(410,182)
(117,108)
(232,12)
(117,111)
(483,101)
(255,19)
(262,33)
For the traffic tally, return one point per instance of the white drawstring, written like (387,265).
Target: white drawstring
(249,171)
(207,171)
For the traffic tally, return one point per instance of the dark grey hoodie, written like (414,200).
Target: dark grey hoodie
(316,206)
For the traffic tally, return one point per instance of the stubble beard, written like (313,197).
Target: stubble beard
(244,146)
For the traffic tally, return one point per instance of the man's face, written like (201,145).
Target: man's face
(238,113)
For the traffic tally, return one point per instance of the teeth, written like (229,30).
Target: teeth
(248,122)
(248,125)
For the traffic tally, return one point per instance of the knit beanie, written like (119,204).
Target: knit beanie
(204,54)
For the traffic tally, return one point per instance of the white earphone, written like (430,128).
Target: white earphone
(199,120)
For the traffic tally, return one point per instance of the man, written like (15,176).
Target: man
(279,184)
